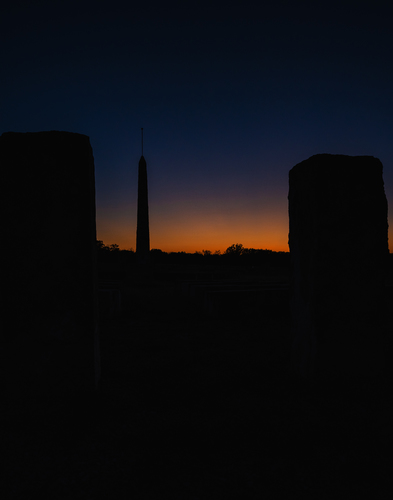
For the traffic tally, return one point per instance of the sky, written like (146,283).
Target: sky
(231,95)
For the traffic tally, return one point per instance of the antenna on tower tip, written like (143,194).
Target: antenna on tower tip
(142,139)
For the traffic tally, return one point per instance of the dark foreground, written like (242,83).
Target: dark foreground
(198,406)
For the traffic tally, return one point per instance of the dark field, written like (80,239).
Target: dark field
(199,404)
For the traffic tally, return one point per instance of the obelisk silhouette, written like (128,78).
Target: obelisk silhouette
(142,228)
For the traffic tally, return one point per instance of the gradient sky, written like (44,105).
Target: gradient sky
(230,95)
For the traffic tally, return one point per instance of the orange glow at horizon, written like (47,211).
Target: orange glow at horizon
(189,246)
(192,235)
(198,235)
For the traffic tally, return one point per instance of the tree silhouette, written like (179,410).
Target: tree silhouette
(235,250)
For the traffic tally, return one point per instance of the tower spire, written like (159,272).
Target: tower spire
(142,139)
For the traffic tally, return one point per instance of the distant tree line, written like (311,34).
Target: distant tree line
(235,254)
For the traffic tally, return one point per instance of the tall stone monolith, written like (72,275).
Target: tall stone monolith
(142,231)
(50,346)
(338,239)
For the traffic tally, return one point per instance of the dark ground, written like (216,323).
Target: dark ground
(201,407)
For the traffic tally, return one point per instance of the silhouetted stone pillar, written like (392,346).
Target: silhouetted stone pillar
(339,246)
(142,230)
(50,347)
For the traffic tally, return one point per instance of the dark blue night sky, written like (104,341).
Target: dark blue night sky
(231,96)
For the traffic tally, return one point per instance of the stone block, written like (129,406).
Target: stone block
(50,345)
(338,239)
